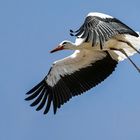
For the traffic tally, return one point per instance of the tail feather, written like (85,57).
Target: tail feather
(134,41)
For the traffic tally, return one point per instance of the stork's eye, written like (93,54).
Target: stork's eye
(64,43)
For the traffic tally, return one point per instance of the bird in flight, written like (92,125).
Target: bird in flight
(101,42)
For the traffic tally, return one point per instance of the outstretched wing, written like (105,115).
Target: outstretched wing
(70,77)
(99,28)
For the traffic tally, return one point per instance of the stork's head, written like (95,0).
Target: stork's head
(64,45)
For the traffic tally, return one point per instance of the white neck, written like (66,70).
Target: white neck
(74,46)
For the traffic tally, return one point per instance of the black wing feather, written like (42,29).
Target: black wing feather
(71,85)
(39,98)
(41,105)
(102,29)
(48,104)
(35,93)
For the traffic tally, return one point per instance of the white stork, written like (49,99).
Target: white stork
(102,41)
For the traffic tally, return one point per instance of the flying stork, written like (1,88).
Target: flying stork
(101,42)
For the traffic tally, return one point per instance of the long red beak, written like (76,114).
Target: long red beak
(59,48)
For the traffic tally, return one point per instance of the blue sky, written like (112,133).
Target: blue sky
(29,29)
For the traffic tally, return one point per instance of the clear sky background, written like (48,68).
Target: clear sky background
(29,29)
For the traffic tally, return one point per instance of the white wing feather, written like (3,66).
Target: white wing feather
(76,61)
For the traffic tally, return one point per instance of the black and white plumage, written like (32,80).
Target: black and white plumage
(99,28)
(102,41)
(65,81)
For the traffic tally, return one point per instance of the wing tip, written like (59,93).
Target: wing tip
(72,34)
(137,34)
(71,31)
(27,99)
(35,87)
(39,94)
